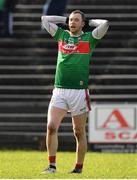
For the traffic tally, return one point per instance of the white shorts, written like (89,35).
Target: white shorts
(75,101)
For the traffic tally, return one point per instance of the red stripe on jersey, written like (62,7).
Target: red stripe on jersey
(81,48)
(87,99)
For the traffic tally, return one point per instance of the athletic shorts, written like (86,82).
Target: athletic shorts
(75,101)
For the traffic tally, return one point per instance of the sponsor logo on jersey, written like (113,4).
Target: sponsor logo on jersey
(70,47)
(80,48)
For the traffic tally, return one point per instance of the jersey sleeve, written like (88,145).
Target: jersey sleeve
(93,41)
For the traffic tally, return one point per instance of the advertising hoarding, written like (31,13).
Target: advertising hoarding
(113,124)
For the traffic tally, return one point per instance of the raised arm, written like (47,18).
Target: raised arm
(49,23)
(101,27)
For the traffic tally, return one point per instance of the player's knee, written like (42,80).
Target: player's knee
(52,129)
(78,133)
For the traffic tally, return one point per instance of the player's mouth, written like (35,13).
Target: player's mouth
(73,27)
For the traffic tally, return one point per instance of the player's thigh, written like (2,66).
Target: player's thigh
(55,116)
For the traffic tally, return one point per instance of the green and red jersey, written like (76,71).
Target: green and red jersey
(74,54)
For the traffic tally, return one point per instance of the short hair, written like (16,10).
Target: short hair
(80,12)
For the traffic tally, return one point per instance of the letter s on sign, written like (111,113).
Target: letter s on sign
(109,135)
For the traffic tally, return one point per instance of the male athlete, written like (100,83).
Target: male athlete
(71,80)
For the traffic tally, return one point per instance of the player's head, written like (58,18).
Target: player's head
(76,21)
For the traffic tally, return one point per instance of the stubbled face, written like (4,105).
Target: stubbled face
(75,23)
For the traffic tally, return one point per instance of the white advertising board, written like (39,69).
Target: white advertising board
(113,123)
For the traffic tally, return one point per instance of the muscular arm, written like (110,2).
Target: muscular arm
(49,23)
(101,27)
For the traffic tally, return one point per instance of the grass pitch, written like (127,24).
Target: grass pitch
(29,164)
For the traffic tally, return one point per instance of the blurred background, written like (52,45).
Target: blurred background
(28,61)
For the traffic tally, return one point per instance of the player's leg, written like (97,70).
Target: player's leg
(79,124)
(56,112)
(79,106)
(55,116)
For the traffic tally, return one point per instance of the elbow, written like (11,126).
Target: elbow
(43,18)
(101,30)
(43,21)
(105,26)
(106,23)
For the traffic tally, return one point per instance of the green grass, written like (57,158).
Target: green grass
(29,164)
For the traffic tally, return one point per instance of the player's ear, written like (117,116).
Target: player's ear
(83,24)
(67,20)
(86,23)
